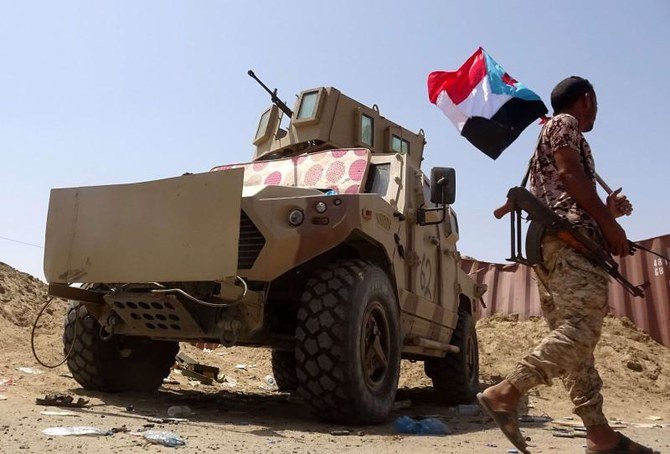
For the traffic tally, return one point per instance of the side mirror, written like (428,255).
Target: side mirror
(442,185)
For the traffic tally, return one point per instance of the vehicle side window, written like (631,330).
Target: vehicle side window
(378,179)
(399,145)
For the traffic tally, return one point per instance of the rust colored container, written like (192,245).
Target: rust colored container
(512,289)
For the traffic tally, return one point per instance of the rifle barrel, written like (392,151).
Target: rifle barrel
(634,246)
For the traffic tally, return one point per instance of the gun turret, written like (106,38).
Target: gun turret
(323,118)
(273,95)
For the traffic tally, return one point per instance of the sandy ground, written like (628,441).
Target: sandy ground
(247,418)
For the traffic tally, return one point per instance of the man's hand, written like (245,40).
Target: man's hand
(571,173)
(619,205)
(616,240)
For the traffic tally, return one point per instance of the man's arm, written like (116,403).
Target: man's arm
(580,188)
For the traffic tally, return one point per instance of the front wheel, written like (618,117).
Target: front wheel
(120,363)
(456,376)
(348,343)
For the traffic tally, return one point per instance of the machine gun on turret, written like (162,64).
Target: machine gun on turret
(273,95)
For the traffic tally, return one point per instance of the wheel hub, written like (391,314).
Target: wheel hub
(375,345)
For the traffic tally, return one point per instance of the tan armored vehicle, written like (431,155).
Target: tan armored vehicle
(331,248)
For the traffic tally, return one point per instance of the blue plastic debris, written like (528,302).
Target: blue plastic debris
(427,426)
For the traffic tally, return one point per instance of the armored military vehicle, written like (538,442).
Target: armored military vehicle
(331,247)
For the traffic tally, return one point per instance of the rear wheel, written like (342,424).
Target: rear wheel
(456,377)
(283,369)
(348,343)
(120,363)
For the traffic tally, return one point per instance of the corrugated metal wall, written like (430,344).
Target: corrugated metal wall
(512,289)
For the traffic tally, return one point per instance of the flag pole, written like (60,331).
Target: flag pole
(602,184)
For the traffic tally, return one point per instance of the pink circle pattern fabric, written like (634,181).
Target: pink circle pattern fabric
(335,172)
(313,175)
(353,189)
(340,170)
(273,179)
(357,169)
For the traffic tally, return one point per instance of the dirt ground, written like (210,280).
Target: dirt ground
(239,415)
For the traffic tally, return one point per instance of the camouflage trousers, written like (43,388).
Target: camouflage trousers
(573,295)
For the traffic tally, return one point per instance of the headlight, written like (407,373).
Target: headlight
(320,207)
(296,217)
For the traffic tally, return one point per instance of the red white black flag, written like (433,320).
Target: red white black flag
(486,105)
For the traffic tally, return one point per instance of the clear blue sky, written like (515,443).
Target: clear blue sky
(124,91)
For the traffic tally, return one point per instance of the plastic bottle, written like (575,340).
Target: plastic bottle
(179,411)
(427,426)
(75,430)
(158,437)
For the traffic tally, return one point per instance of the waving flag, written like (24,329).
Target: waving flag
(486,105)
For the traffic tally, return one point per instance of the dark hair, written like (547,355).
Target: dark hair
(568,91)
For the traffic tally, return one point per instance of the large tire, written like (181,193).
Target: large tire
(122,363)
(456,377)
(348,343)
(283,369)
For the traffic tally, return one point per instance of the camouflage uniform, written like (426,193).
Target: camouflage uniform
(573,292)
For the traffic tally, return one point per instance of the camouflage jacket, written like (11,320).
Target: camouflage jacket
(559,132)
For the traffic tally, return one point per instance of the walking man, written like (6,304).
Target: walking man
(573,292)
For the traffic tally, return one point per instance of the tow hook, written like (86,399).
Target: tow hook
(112,321)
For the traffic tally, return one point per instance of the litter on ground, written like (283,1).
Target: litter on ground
(75,431)
(158,437)
(61,400)
(29,370)
(58,413)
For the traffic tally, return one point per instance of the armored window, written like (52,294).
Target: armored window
(267,125)
(367,130)
(378,179)
(308,105)
(399,145)
(263,124)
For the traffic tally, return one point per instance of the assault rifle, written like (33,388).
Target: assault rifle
(544,220)
(273,95)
